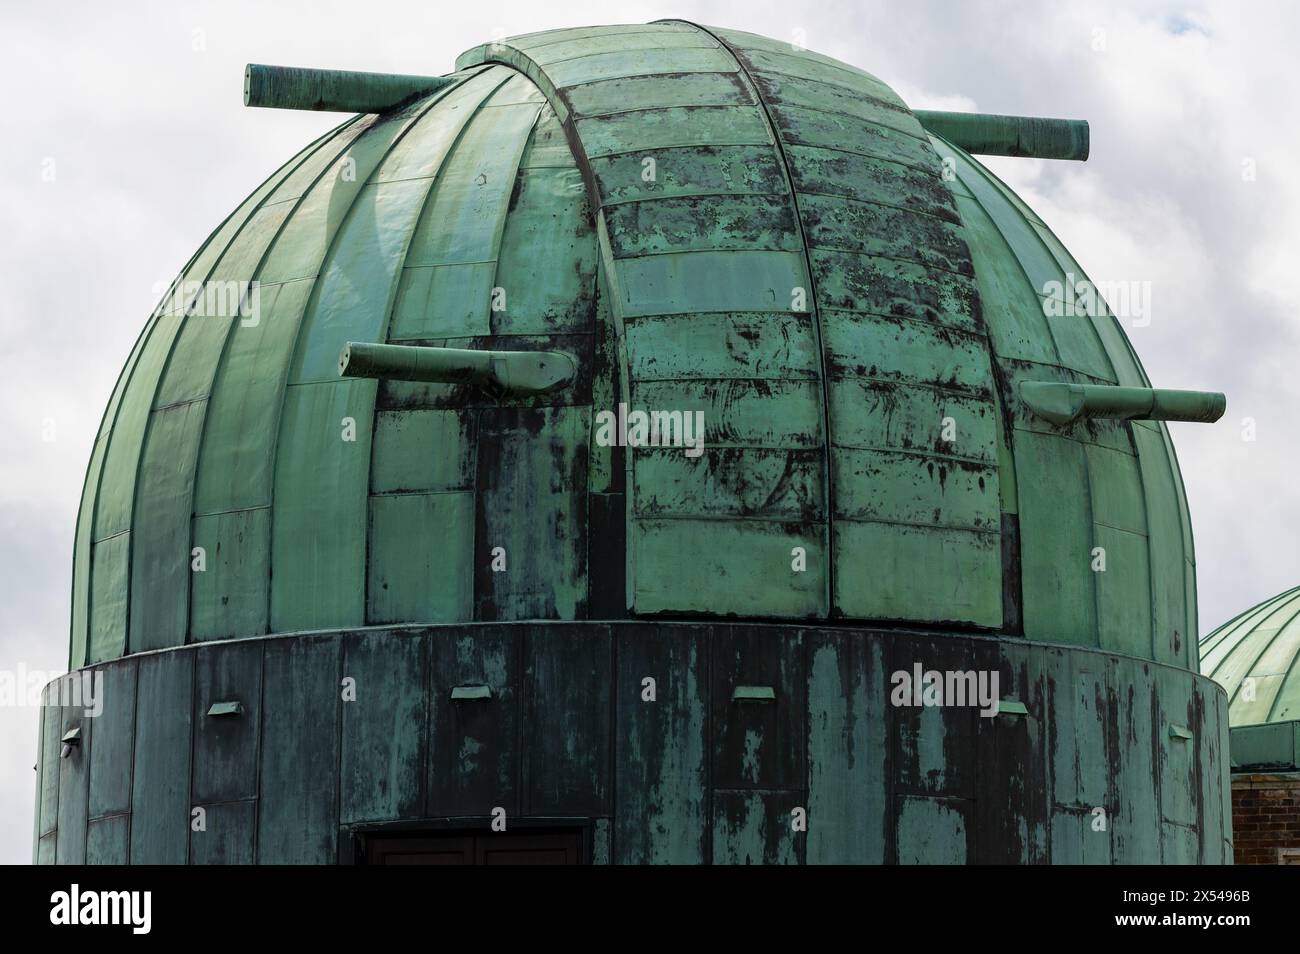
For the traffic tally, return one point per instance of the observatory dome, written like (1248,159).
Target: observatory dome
(1254,658)
(381,541)
(702,220)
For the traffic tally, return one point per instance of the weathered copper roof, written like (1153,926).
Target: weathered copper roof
(1254,657)
(704,219)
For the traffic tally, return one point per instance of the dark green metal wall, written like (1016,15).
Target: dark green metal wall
(691,777)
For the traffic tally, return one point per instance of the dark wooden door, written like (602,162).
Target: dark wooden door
(453,848)
(438,850)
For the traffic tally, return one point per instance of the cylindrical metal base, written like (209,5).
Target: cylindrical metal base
(650,742)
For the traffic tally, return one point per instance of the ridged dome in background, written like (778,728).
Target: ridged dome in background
(774,170)
(1261,645)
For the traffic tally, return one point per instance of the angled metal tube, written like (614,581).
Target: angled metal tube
(1062,403)
(290,87)
(516,372)
(991,135)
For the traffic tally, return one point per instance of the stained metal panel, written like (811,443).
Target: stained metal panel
(688,170)
(446,276)
(643,62)
(887,570)
(1013,811)
(725,554)
(110,591)
(108,840)
(160,550)
(626,94)
(352,299)
(81,556)
(47,806)
(546,262)
(758,746)
(933,831)
(1011,306)
(475,746)
(419,558)
(74,782)
(1075,732)
(110,760)
(565,728)
(1179,768)
(1165,513)
(1213,758)
(847,747)
(160,782)
(1136,822)
(296,818)
(932,747)
(422,450)
(1075,841)
(1079,743)
(531,464)
(661,749)
(225,748)
(1056,538)
(751,828)
(227,838)
(236,458)
(168,476)
(230,597)
(384,745)
(1179,844)
(318,530)
(558,51)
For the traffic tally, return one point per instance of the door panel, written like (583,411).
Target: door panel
(563,847)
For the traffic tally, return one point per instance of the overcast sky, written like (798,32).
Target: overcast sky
(126,142)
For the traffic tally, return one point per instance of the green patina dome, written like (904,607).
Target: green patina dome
(706,220)
(1254,657)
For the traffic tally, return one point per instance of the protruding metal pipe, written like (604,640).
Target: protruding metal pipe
(1062,403)
(990,135)
(289,87)
(516,372)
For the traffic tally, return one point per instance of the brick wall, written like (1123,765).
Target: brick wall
(1265,816)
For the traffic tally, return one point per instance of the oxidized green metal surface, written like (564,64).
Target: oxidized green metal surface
(991,135)
(1256,658)
(705,220)
(1065,403)
(511,372)
(1098,482)
(287,87)
(694,775)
